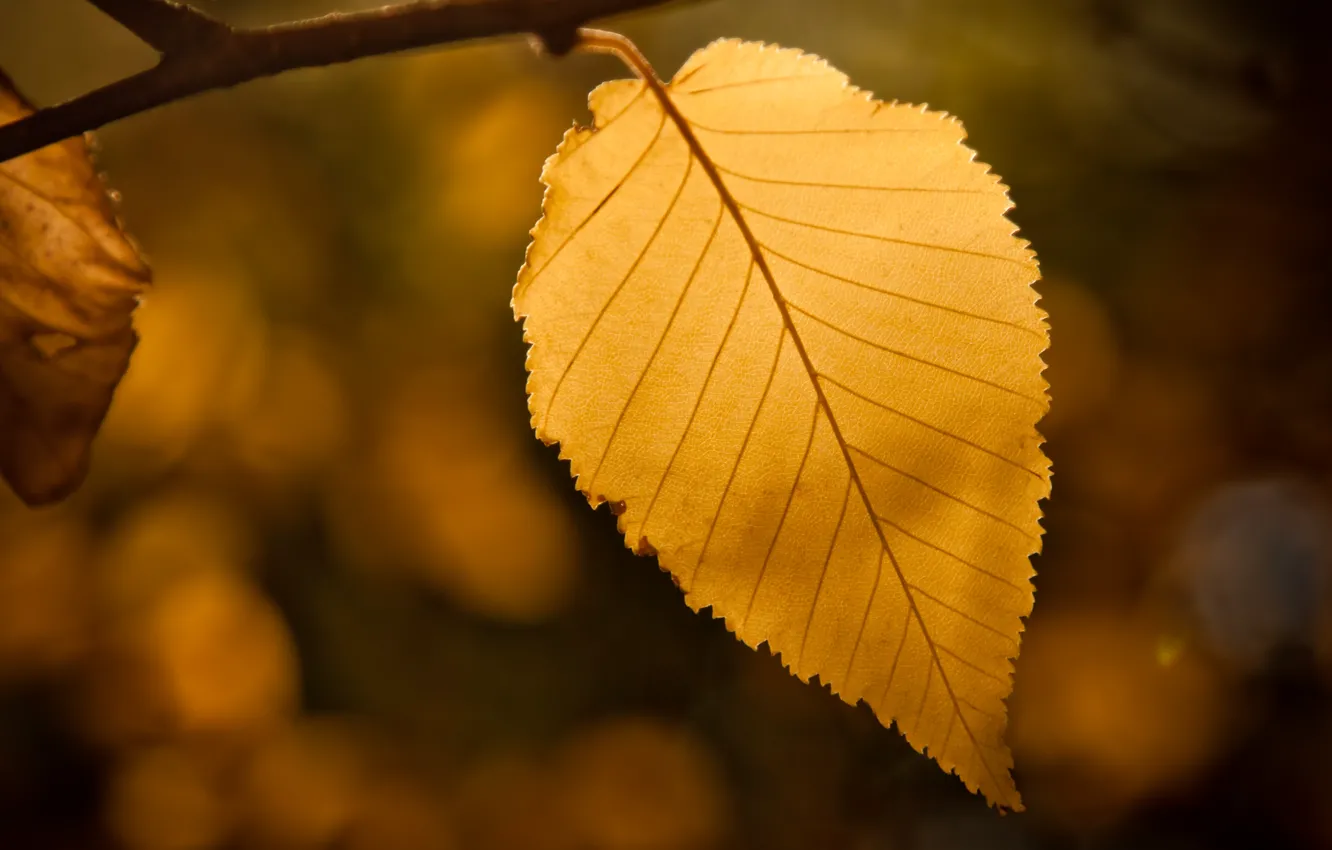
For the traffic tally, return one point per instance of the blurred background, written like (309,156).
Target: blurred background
(324,589)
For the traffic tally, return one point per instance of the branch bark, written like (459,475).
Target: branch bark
(200,54)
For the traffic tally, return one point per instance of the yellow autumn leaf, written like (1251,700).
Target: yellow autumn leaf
(69,280)
(788,332)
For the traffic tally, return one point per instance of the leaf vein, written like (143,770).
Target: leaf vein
(818,184)
(942,492)
(930,246)
(601,314)
(740,456)
(948,736)
(905,356)
(892,294)
(786,510)
(897,656)
(578,229)
(960,613)
(924,698)
(823,573)
(652,359)
(864,620)
(821,131)
(745,83)
(935,428)
(976,708)
(942,551)
(973,665)
(698,402)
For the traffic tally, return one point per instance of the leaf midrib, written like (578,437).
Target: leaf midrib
(696,149)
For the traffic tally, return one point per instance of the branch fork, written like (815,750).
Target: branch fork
(167,26)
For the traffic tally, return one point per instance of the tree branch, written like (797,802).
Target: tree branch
(165,25)
(200,54)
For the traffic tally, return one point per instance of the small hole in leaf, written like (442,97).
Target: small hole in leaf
(51,344)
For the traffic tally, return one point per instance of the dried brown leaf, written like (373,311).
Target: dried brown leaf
(69,280)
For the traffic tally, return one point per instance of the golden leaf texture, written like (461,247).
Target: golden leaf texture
(69,280)
(800,355)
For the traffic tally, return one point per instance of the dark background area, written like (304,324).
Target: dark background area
(323,589)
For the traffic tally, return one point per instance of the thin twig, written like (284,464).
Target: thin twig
(200,54)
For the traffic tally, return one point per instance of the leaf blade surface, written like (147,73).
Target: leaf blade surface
(789,331)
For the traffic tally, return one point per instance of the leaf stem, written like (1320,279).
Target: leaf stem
(592,40)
